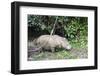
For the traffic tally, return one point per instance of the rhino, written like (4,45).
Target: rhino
(50,42)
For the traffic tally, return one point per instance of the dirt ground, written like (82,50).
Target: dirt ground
(75,53)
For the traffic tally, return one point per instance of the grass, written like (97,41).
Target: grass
(63,54)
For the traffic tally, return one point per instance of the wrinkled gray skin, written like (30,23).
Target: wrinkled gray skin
(50,42)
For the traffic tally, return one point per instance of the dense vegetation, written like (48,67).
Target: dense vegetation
(75,29)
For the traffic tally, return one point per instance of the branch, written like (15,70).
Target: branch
(54,26)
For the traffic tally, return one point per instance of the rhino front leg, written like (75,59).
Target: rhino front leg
(52,49)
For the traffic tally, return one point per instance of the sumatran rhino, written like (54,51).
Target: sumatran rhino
(50,42)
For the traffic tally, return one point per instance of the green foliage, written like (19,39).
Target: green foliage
(75,29)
